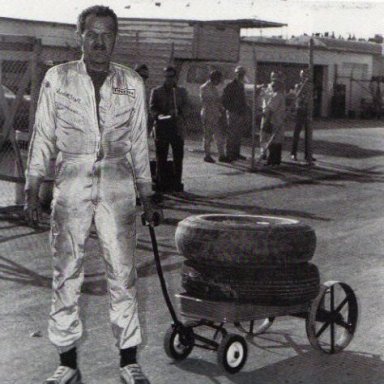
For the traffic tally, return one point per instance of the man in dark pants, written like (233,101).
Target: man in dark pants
(167,104)
(302,94)
(236,108)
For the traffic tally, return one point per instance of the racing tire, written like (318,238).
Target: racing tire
(245,240)
(288,285)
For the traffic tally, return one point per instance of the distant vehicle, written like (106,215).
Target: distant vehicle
(21,122)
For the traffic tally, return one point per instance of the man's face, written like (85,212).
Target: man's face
(216,80)
(170,79)
(97,41)
(240,76)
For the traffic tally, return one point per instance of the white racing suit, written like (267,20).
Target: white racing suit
(98,162)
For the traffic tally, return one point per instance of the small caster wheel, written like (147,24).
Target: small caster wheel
(179,341)
(232,352)
(255,327)
(332,319)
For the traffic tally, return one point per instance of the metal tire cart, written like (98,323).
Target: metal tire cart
(330,321)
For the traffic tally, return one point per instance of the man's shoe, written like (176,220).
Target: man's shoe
(132,374)
(209,159)
(65,375)
(312,159)
(294,157)
(224,159)
(241,157)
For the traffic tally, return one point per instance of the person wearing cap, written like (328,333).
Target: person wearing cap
(167,107)
(234,102)
(302,94)
(143,71)
(211,112)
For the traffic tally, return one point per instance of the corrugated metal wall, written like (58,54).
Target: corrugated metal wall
(154,43)
(216,43)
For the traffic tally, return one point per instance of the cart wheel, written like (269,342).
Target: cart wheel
(332,319)
(178,342)
(255,327)
(232,352)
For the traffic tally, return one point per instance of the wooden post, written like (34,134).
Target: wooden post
(172,54)
(254,107)
(35,82)
(310,102)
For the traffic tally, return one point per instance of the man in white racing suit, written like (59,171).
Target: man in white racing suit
(92,113)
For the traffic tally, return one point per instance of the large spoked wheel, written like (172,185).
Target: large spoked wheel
(232,353)
(332,320)
(179,342)
(255,327)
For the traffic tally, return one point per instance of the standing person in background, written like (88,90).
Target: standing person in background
(302,94)
(273,122)
(234,102)
(92,112)
(143,71)
(265,95)
(167,106)
(211,111)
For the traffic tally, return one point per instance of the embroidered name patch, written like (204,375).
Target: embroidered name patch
(68,95)
(125,91)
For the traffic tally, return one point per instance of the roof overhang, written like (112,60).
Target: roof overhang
(241,23)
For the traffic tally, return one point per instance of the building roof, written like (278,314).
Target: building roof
(325,43)
(242,23)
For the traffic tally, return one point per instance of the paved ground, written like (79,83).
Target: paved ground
(341,197)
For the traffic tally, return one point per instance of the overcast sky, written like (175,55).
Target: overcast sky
(363,19)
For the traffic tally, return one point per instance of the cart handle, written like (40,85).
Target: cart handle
(160,270)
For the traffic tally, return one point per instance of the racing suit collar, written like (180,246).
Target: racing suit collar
(83,67)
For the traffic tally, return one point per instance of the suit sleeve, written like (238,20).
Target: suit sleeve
(43,141)
(139,151)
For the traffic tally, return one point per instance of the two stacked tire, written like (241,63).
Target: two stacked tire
(248,258)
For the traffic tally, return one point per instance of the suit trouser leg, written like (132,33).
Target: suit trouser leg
(177,144)
(208,135)
(306,140)
(232,137)
(162,146)
(296,135)
(219,138)
(116,227)
(71,219)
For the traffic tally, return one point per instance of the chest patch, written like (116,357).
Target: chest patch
(125,91)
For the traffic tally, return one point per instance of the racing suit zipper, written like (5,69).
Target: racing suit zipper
(96,172)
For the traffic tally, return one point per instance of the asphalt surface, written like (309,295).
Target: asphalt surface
(341,197)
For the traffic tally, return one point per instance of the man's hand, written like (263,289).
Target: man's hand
(153,214)
(32,207)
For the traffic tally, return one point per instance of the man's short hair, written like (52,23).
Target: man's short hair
(97,10)
(142,70)
(215,75)
(240,69)
(141,67)
(169,71)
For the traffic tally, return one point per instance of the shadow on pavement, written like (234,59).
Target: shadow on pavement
(309,367)
(328,148)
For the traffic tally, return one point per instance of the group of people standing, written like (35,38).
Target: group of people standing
(224,116)
(270,114)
